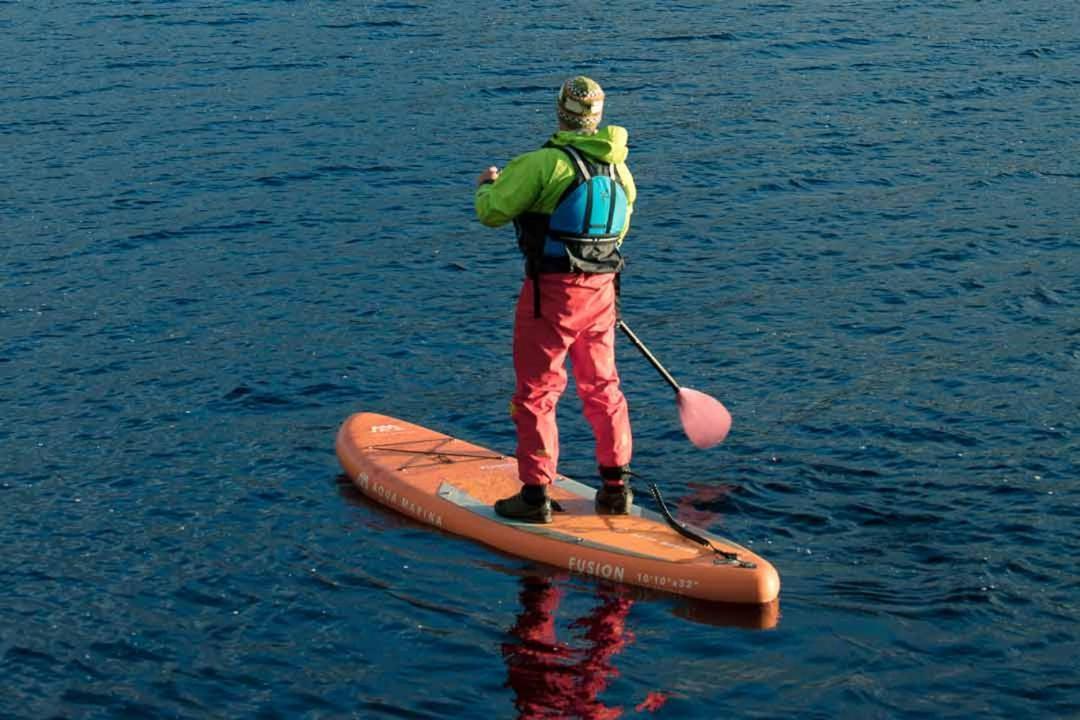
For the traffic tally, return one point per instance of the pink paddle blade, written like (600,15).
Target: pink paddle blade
(704,419)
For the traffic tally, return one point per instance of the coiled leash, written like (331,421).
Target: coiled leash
(723,556)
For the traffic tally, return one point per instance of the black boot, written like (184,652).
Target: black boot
(614,497)
(530,505)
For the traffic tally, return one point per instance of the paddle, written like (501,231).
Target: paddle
(704,419)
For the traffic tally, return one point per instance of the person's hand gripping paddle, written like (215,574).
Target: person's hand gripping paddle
(704,418)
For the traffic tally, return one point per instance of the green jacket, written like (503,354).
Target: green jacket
(535,181)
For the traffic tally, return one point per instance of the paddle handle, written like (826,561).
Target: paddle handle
(648,355)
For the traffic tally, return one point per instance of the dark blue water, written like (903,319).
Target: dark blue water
(226,226)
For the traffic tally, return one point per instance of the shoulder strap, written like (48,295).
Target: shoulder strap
(610,170)
(579,161)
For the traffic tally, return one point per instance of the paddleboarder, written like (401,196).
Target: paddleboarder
(570,202)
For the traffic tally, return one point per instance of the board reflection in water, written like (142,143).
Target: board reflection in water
(565,677)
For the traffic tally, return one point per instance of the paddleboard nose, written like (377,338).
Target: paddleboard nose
(768,584)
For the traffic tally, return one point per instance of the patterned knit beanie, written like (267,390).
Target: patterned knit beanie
(581,103)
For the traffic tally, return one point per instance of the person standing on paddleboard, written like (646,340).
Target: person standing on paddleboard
(570,202)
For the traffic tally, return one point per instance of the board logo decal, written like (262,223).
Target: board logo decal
(608,571)
(394,499)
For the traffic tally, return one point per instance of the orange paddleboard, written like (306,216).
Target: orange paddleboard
(452,484)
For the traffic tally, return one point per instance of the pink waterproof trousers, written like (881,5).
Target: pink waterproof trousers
(577,318)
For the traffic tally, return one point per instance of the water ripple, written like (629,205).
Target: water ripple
(229,227)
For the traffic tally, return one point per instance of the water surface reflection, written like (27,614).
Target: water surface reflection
(563,677)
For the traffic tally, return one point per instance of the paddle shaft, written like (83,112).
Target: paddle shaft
(648,355)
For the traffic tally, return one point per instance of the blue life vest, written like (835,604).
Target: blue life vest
(581,235)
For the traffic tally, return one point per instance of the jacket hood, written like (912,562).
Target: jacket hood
(608,144)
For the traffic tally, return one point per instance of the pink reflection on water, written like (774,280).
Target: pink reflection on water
(552,679)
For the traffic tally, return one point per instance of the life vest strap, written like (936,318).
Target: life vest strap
(536,295)
(563,237)
(575,155)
